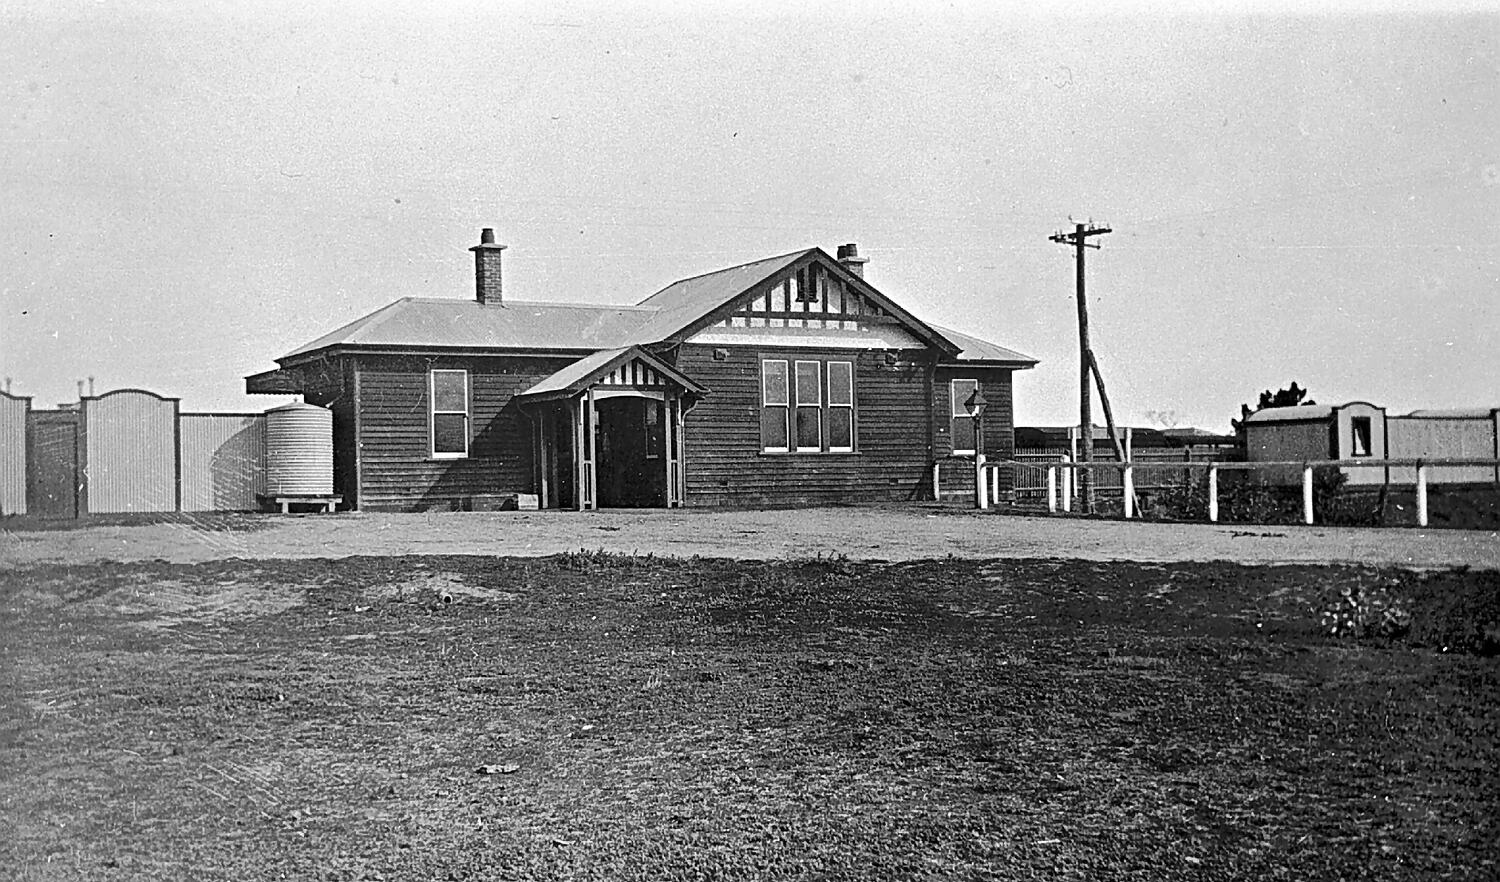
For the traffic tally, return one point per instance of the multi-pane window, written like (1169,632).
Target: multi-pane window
(449,397)
(774,384)
(962,424)
(840,412)
(807,406)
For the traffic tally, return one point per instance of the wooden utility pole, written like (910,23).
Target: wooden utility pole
(1079,240)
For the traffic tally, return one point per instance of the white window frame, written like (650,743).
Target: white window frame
(828,408)
(957,409)
(433,412)
(785,404)
(795,438)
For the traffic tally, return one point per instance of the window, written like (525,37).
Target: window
(962,423)
(449,396)
(774,401)
(840,406)
(799,413)
(809,405)
(1359,431)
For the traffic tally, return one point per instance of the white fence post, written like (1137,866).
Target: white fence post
(980,499)
(1421,495)
(995,484)
(937,482)
(1213,494)
(1307,494)
(1069,481)
(1127,481)
(1052,489)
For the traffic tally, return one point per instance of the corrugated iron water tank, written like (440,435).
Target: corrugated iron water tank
(299,451)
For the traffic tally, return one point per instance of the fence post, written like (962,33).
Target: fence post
(995,484)
(980,499)
(1052,489)
(1307,494)
(937,483)
(1068,482)
(1127,484)
(1421,494)
(1213,494)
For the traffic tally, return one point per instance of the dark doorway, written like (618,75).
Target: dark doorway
(631,450)
(52,476)
(557,455)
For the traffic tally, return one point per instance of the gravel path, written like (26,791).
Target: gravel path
(862,533)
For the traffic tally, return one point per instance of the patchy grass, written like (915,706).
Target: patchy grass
(653,718)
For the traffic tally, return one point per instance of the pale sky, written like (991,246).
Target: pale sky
(191,190)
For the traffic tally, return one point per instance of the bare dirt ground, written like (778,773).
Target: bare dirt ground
(591,716)
(859,533)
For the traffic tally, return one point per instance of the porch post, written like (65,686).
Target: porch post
(591,431)
(575,413)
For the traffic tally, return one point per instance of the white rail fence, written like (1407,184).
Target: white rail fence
(1061,480)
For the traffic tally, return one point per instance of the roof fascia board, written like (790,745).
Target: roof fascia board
(988,363)
(340,349)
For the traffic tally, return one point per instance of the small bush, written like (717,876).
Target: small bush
(1364,611)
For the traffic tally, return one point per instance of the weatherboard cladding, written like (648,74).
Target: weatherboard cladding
(397,470)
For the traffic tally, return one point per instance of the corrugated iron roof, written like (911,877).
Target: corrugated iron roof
(1298,414)
(1453,413)
(977,350)
(684,302)
(419,321)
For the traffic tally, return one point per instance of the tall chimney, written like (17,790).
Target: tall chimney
(850,260)
(487,267)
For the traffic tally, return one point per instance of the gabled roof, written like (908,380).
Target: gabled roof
(982,352)
(687,306)
(432,322)
(580,375)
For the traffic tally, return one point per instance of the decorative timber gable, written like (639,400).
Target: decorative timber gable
(815,302)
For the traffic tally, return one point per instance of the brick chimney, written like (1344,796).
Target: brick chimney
(487,267)
(850,260)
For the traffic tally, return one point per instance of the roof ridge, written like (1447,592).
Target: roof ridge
(558,303)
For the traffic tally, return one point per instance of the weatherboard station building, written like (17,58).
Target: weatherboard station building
(785,381)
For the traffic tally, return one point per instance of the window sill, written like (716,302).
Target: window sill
(821,453)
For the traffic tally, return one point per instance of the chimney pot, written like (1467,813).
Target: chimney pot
(850,260)
(487,236)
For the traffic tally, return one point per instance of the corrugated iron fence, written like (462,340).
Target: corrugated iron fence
(127,451)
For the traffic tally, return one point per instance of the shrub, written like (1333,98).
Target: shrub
(1364,611)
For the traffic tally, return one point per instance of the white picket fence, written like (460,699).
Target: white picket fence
(1061,478)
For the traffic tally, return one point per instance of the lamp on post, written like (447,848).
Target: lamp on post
(974,406)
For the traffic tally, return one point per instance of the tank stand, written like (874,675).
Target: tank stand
(328,503)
